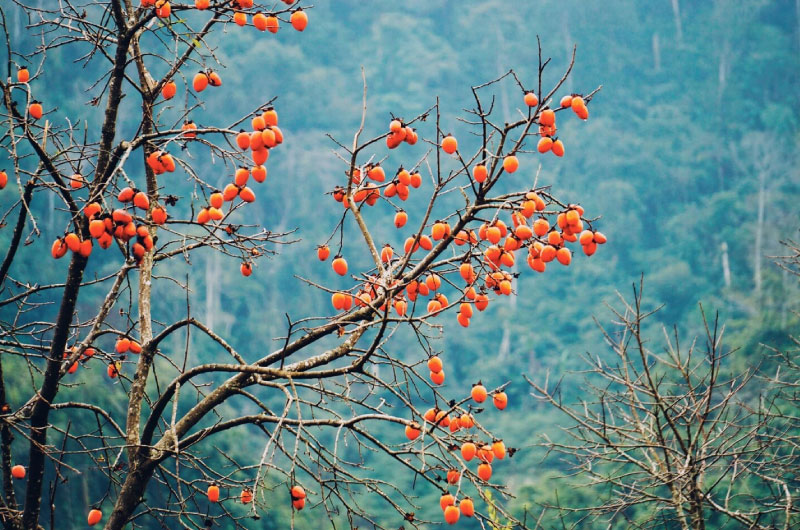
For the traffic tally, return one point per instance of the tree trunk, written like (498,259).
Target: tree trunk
(726,269)
(41,409)
(759,235)
(130,495)
(656,53)
(676,13)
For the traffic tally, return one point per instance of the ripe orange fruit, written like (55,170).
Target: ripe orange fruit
(86,248)
(259,155)
(564,256)
(479,393)
(74,367)
(451,515)
(439,230)
(401,306)
(247,195)
(400,219)
(338,301)
(339,265)
(467,507)
(453,476)
(243,140)
(241,176)
(35,110)
(435,364)
(558,148)
(18,471)
(3,179)
(97,228)
(23,75)
(412,431)
(169,89)
(449,144)
(273,24)
(386,253)
(203,216)
(59,248)
(499,449)
(200,81)
(299,504)
(135,347)
(447,500)
(467,422)
(189,126)
(323,251)
(246,268)
(485,454)
(547,117)
(270,116)
(113,369)
(468,449)
(425,242)
(455,424)
(545,144)
(122,345)
(437,378)
(299,20)
(260,21)
(141,201)
(94,516)
(73,242)
(163,9)
(126,195)
(500,400)
(213,493)
(376,173)
(298,492)
(479,173)
(246,496)
(566,101)
(201,4)
(599,238)
(530,99)
(214,79)
(485,471)
(481,302)
(510,163)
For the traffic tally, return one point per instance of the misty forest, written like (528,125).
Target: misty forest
(496,265)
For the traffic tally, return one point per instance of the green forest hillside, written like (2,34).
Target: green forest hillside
(690,157)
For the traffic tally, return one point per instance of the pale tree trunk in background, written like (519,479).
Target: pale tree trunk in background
(764,157)
(676,12)
(726,269)
(758,244)
(657,53)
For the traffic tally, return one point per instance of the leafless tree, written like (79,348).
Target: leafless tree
(677,434)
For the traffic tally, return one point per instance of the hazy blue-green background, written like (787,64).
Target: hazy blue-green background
(697,117)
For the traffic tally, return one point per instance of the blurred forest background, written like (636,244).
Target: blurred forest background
(690,155)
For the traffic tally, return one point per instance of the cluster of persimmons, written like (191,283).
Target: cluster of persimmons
(534,227)
(132,223)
